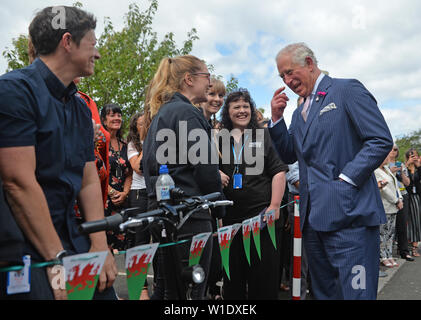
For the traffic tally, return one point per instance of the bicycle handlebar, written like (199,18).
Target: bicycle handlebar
(118,221)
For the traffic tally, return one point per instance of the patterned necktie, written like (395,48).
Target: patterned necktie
(304,113)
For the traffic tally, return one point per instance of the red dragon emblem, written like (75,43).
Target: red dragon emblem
(247,231)
(87,276)
(138,266)
(256,228)
(224,241)
(197,249)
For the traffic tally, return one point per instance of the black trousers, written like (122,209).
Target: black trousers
(260,280)
(138,199)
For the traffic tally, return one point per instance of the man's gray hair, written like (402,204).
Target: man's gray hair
(299,52)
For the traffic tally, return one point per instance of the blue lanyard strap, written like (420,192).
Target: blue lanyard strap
(237,161)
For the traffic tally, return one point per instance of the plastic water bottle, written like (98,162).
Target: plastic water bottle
(164,184)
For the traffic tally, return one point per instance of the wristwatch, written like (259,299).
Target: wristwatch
(58,260)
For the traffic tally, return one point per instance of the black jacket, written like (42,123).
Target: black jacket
(181,117)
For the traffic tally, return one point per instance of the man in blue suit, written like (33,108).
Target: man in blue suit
(339,137)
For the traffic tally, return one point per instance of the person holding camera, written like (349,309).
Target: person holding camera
(401,173)
(392,203)
(414,189)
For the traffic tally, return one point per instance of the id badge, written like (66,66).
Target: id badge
(238,181)
(20,281)
(119,172)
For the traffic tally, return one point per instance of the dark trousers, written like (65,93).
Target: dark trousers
(138,199)
(260,280)
(401,227)
(167,272)
(343,264)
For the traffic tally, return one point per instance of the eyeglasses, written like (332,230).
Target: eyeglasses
(207,75)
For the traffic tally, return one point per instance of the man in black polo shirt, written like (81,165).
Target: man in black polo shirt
(46,147)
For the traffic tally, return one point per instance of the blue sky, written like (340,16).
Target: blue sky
(373,41)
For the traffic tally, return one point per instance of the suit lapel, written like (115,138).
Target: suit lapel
(316,104)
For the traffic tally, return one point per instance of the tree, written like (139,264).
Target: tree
(412,140)
(129,59)
(17,57)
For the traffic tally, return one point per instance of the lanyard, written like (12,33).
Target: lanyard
(237,160)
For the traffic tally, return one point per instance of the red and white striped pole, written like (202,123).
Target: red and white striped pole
(296,276)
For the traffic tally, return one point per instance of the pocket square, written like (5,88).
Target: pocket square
(329,107)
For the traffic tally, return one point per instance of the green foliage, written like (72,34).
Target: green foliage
(129,59)
(232,84)
(17,57)
(412,140)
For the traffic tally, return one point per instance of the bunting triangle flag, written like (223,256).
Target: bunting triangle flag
(256,233)
(198,243)
(224,239)
(82,273)
(138,260)
(270,220)
(246,238)
(235,228)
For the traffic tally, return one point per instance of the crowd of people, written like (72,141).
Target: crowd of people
(63,162)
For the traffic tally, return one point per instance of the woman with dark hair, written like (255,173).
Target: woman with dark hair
(120,179)
(253,194)
(414,190)
(138,197)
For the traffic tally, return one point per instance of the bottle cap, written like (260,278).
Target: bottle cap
(163,169)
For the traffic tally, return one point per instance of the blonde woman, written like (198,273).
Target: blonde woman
(179,84)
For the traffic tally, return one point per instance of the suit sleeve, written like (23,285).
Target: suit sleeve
(283,142)
(372,130)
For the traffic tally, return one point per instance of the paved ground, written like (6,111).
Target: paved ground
(402,283)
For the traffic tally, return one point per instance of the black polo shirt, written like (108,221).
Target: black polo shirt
(36,109)
(256,193)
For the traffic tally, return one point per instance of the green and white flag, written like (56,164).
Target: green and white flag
(270,220)
(256,233)
(246,238)
(82,273)
(198,243)
(224,238)
(138,260)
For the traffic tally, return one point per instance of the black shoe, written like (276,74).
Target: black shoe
(407,258)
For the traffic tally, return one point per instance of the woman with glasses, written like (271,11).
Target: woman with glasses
(179,84)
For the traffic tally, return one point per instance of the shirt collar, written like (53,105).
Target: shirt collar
(316,85)
(54,85)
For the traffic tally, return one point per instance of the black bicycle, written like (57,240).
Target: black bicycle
(169,218)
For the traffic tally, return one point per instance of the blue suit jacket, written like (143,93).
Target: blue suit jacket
(349,137)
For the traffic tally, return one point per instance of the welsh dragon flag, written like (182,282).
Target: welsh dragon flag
(270,220)
(82,273)
(138,260)
(198,243)
(246,238)
(256,233)
(224,238)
